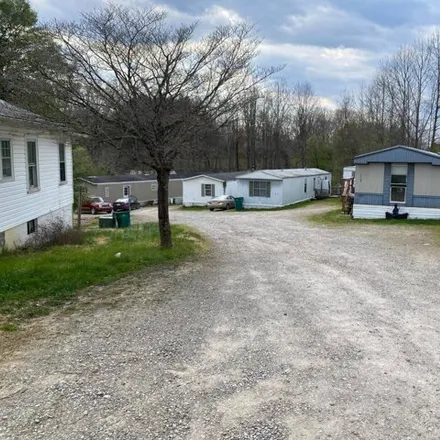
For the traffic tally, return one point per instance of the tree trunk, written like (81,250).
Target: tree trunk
(163,177)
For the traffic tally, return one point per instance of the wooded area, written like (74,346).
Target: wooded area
(147,95)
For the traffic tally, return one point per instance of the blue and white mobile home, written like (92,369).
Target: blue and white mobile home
(400,175)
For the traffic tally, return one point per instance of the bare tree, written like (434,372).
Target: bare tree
(305,107)
(147,88)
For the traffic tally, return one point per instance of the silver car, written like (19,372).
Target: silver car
(221,202)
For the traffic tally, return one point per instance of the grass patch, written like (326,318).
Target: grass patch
(194,208)
(335,218)
(8,327)
(35,282)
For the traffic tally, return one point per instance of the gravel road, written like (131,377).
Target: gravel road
(284,330)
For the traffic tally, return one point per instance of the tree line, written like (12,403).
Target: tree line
(145,94)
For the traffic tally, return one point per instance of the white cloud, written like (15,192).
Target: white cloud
(328,103)
(333,63)
(334,26)
(213,16)
(219,15)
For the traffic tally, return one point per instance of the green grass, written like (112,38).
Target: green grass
(32,283)
(194,208)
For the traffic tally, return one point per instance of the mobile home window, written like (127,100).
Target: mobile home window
(126,190)
(106,192)
(62,155)
(305,184)
(258,188)
(32,164)
(208,190)
(154,187)
(6,159)
(398,183)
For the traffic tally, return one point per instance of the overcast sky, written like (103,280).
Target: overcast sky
(333,44)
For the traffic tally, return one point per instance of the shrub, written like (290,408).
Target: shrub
(54,233)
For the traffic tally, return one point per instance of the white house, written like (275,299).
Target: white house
(36,182)
(199,190)
(348,172)
(277,188)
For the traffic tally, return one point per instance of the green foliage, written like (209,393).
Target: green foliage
(83,166)
(33,283)
(27,53)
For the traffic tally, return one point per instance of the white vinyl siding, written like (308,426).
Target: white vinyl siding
(19,207)
(6,164)
(398,183)
(208,190)
(259,188)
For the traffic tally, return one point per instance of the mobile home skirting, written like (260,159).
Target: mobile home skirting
(378,212)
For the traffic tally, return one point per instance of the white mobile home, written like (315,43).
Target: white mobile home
(348,172)
(199,190)
(36,182)
(277,188)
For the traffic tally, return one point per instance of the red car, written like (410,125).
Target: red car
(96,205)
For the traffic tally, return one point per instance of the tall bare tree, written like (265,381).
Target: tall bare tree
(147,88)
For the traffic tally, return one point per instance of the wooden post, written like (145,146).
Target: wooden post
(79,207)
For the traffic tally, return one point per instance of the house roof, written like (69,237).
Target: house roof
(283,174)
(10,111)
(223,177)
(398,154)
(128,178)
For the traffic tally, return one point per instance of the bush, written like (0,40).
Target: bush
(54,233)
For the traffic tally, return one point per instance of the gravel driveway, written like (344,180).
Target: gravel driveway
(284,330)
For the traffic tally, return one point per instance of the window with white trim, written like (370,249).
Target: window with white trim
(32,163)
(305,184)
(398,183)
(208,190)
(126,191)
(62,157)
(32,226)
(106,191)
(259,188)
(154,187)
(6,160)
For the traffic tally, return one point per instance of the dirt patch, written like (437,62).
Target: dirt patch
(284,331)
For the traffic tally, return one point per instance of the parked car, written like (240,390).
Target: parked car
(96,205)
(126,203)
(221,202)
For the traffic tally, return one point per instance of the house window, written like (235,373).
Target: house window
(398,183)
(208,190)
(31,226)
(32,164)
(259,188)
(305,185)
(106,191)
(6,159)
(154,187)
(126,190)
(62,155)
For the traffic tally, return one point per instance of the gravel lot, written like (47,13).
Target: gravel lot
(284,330)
